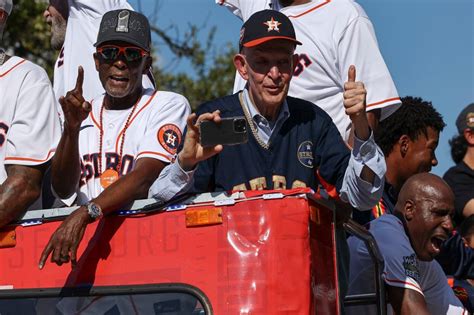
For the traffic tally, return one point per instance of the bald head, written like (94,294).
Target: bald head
(426,204)
(424,186)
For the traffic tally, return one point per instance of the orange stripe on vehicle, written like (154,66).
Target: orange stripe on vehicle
(384,101)
(153,153)
(310,10)
(9,70)
(133,118)
(16,158)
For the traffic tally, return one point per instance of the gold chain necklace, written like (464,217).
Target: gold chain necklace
(250,121)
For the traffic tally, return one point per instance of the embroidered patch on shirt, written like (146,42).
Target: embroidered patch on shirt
(305,154)
(410,264)
(169,136)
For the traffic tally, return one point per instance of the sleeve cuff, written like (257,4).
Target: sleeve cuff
(172,180)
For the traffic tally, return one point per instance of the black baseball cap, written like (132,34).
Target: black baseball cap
(127,26)
(266,25)
(465,119)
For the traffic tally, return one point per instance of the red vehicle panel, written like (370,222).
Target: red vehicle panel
(271,254)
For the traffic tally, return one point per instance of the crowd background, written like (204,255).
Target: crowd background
(428,46)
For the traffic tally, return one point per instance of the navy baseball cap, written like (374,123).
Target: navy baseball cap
(127,26)
(465,119)
(266,25)
(6,5)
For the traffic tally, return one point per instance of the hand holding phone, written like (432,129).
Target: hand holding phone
(229,131)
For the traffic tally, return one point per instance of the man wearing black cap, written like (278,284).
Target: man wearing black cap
(461,176)
(293,143)
(74,28)
(29,129)
(113,148)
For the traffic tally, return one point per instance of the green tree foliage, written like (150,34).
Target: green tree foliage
(211,72)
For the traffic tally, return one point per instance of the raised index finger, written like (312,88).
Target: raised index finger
(351,77)
(80,79)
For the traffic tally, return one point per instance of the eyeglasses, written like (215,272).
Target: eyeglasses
(131,53)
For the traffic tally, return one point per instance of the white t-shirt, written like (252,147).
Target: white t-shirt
(29,123)
(402,269)
(78,49)
(155,131)
(335,34)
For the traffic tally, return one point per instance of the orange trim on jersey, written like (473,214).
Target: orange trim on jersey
(310,10)
(331,189)
(406,283)
(9,70)
(384,101)
(133,118)
(48,156)
(154,153)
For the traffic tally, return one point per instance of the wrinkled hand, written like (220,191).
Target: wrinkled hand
(193,152)
(65,240)
(354,103)
(74,106)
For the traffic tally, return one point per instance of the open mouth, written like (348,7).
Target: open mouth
(437,242)
(119,79)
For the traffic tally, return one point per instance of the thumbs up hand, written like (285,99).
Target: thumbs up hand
(355,106)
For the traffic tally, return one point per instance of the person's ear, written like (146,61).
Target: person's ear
(409,210)
(296,59)
(241,65)
(404,145)
(96,61)
(469,136)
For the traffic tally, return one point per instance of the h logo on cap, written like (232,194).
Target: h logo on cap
(122,24)
(272,25)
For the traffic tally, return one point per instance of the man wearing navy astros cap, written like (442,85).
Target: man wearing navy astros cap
(292,142)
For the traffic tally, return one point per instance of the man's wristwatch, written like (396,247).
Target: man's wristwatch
(94,210)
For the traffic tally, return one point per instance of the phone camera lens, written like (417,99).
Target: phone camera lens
(240,125)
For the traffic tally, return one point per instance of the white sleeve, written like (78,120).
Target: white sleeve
(243,9)
(165,127)
(95,9)
(35,129)
(359,193)
(358,46)
(173,181)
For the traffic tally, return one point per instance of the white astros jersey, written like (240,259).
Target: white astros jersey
(155,131)
(78,49)
(335,34)
(29,124)
(402,269)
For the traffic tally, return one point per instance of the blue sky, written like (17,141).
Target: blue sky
(428,46)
